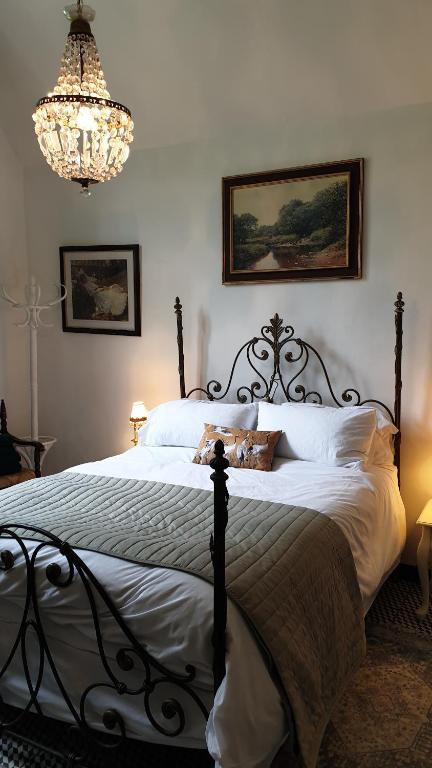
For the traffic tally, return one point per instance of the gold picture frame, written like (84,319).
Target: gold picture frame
(300,223)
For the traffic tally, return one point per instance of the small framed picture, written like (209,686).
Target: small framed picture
(103,289)
(295,224)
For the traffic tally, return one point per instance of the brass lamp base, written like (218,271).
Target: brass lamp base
(136,424)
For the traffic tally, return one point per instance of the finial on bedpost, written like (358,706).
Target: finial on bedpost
(3,418)
(178,311)
(217,549)
(219,463)
(399,309)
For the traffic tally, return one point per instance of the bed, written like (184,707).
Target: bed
(140,636)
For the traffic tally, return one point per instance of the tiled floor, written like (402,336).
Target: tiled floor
(384,720)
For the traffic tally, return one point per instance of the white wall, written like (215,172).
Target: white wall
(169,200)
(13,274)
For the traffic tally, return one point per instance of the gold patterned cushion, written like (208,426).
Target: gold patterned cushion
(245,449)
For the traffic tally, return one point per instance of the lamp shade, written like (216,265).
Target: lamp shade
(426,516)
(139,411)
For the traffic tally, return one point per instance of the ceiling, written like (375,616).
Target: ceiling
(189,69)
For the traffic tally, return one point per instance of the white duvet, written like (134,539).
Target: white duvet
(172,611)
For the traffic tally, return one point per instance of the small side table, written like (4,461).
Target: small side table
(6,481)
(423,557)
(27,452)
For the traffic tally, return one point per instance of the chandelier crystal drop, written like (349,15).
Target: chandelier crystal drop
(83,134)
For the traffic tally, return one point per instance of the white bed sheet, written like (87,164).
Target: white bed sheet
(172,611)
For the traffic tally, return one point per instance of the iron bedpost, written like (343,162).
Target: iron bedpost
(399,309)
(178,311)
(3,418)
(217,549)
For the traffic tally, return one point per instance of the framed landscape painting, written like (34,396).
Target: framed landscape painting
(103,289)
(294,224)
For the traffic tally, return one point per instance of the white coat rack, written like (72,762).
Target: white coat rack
(33,308)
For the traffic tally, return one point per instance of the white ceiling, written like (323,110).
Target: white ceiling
(189,69)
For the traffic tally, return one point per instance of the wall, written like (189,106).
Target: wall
(13,275)
(169,201)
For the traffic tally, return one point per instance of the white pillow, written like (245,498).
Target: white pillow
(338,437)
(181,422)
(382,450)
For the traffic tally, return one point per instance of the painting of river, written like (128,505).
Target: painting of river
(297,224)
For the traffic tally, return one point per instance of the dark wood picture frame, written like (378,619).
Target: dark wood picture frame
(239,262)
(132,327)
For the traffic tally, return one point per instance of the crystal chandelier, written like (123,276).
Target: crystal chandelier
(82,133)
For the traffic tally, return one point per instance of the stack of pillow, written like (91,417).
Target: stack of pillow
(352,436)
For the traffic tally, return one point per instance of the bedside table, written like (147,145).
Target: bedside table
(19,477)
(423,556)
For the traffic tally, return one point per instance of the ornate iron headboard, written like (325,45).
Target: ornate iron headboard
(271,345)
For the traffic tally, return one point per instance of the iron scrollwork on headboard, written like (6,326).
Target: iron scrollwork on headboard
(278,345)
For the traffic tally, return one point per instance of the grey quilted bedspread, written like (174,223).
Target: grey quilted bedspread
(289,569)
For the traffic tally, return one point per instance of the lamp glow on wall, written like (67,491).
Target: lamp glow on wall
(83,134)
(137,418)
(32,320)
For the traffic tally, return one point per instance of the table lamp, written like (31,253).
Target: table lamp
(423,557)
(137,418)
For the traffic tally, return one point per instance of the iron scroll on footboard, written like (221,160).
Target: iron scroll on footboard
(149,674)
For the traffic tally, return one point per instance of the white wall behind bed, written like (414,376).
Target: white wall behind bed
(169,200)
(13,274)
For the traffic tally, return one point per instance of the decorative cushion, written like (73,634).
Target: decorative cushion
(10,461)
(245,449)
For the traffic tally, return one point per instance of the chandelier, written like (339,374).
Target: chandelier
(83,134)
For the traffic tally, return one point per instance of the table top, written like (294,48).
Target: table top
(426,516)
(19,477)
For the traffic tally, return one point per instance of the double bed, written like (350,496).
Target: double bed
(112,640)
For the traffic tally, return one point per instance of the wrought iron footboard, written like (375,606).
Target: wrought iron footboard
(167,717)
